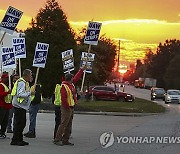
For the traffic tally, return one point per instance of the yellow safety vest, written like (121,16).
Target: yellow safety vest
(14,90)
(7,98)
(33,96)
(57,94)
(70,98)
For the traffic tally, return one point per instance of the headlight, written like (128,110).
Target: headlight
(154,94)
(128,95)
(168,97)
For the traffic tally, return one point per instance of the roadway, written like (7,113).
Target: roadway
(87,130)
(163,125)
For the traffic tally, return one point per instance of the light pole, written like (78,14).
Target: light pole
(118,57)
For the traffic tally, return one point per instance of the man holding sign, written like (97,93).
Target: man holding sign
(68,101)
(21,100)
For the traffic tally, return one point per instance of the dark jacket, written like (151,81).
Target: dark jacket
(37,98)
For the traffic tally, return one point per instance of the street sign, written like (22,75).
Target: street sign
(92,33)
(19,47)
(68,60)
(40,55)
(10,20)
(8,58)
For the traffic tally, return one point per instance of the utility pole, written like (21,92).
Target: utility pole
(118,57)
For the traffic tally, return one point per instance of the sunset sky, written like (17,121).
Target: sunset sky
(139,24)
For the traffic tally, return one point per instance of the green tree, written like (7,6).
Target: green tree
(104,62)
(105,59)
(160,61)
(138,63)
(148,57)
(172,75)
(49,26)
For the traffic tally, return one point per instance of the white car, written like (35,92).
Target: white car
(172,96)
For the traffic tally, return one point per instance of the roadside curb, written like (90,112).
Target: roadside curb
(116,113)
(107,113)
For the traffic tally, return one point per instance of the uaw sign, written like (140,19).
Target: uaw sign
(19,47)
(10,20)
(92,33)
(40,55)
(8,58)
(87,58)
(68,60)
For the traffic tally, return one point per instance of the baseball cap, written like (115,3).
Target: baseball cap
(68,76)
(4,75)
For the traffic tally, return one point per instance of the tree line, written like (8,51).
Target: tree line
(51,26)
(163,65)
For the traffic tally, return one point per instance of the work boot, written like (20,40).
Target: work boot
(68,143)
(25,143)
(2,136)
(30,135)
(17,143)
(60,143)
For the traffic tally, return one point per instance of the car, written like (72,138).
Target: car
(101,92)
(172,96)
(127,83)
(157,93)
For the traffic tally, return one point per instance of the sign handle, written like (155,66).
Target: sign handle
(2,37)
(19,67)
(9,79)
(1,44)
(84,75)
(37,73)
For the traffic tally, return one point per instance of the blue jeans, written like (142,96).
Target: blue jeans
(33,110)
(11,113)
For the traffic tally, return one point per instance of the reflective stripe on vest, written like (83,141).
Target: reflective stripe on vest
(7,98)
(57,93)
(14,90)
(70,98)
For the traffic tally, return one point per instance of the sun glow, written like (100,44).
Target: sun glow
(123,69)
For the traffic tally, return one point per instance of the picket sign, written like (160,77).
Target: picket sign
(84,74)
(8,60)
(8,25)
(11,20)
(19,47)
(89,64)
(68,61)
(91,38)
(40,57)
